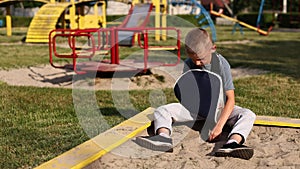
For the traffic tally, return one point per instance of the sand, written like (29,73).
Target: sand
(274,147)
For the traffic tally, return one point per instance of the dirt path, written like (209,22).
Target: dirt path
(47,76)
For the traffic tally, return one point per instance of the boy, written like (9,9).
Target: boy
(202,55)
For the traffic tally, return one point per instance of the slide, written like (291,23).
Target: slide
(137,17)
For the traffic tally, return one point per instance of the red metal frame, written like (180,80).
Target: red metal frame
(146,46)
(71,35)
(111,39)
(146,41)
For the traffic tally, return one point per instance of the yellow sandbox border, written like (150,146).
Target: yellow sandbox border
(277,121)
(93,149)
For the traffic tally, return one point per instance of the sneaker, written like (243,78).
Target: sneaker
(156,143)
(235,150)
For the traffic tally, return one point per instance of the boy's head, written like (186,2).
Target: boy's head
(198,46)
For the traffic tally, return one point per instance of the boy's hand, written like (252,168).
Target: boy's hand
(215,133)
(217,130)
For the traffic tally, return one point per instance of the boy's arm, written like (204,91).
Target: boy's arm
(224,115)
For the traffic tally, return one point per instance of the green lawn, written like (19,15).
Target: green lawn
(38,124)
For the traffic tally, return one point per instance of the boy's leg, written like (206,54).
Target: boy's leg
(241,120)
(164,116)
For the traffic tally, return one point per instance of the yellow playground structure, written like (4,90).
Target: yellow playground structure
(72,14)
(59,14)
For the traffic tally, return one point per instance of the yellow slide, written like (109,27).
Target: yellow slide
(44,21)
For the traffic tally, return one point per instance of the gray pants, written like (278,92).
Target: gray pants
(241,120)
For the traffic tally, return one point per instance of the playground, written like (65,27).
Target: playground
(61,115)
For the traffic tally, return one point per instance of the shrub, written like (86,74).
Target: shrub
(267,19)
(289,20)
(18,21)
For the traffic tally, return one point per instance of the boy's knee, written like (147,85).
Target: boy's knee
(165,110)
(160,112)
(250,114)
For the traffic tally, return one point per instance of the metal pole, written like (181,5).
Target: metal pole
(8,22)
(284,9)
(260,13)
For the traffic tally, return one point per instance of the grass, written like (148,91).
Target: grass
(17,56)
(38,124)
(272,95)
(34,121)
(17,35)
(275,53)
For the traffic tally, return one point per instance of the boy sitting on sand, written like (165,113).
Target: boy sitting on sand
(202,55)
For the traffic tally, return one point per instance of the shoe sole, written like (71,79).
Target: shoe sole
(244,153)
(149,145)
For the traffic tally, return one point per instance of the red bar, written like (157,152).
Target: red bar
(146,52)
(113,47)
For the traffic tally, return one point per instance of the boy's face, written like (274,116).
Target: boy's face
(201,58)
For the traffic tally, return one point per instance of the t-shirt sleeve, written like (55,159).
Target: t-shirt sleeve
(228,82)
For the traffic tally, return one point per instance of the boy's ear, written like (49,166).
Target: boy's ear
(214,48)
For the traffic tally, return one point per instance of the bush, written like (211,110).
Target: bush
(289,20)
(18,21)
(266,21)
